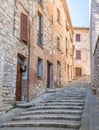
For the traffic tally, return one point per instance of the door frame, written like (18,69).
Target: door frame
(20,60)
(49,75)
(80,71)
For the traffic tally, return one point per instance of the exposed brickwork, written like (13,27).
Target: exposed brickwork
(84,46)
(49,51)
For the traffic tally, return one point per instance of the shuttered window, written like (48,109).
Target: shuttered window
(78,54)
(78,37)
(24,27)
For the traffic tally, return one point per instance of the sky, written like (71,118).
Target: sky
(79,12)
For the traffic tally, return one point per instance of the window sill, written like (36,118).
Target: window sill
(40,78)
(41,4)
(58,49)
(22,41)
(40,45)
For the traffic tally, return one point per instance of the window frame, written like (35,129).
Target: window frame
(40,29)
(40,62)
(78,56)
(78,38)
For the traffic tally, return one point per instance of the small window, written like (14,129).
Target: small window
(39,29)
(58,43)
(40,1)
(58,15)
(24,27)
(52,20)
(40,68)
(78,37)
(78,54)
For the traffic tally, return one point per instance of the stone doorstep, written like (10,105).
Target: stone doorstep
(44,123)
(49,117)
(52,112)
(56,107)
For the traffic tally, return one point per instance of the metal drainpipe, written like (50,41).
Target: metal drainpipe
(29,55)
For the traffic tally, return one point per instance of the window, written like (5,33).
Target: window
(58,15)
(24,27)
(66,46)
(40,68)
(58,43)
(39,29)
(58,73)
(78,37)
(40,1)
(78,54)
(52,20)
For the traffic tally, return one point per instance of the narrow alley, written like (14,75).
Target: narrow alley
(71,107)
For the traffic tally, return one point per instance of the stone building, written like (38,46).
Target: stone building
(94,32)
(81,60)
(36,48)
(51,50)
(96,67)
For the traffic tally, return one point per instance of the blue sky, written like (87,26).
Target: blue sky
(79,12)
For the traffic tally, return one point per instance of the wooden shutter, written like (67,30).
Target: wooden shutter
(78,54)
(24,27)
(78,37)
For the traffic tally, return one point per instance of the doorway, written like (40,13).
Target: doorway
(49,75)
(78,72)
(18,79)
(58,73)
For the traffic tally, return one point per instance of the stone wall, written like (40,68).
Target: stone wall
(96,67)
(84,46)
(94,32)
(11,46)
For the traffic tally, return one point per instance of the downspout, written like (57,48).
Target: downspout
(28,55)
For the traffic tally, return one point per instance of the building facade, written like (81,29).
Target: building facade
(81,60)
(50,47)
(36,48)
(94,32)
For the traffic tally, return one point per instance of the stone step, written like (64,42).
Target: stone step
(44,123)
(52,112)
(49,116)
(63,103)
(69,100)
(36,128)
(56,107)
(65,97)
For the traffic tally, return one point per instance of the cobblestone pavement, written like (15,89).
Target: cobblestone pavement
(72,107)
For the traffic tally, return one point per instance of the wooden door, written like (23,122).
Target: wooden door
(18,82)
(78,72)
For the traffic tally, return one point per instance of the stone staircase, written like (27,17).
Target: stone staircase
(62,110)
